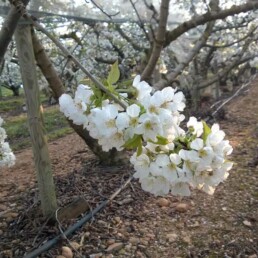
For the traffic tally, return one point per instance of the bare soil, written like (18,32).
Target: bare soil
(137,224)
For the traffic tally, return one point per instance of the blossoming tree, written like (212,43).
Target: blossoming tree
(168,157)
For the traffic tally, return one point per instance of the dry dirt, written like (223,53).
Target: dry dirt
(137,224)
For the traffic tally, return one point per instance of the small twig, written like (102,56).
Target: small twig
(131,185)
(63,234)
(103,11)
(40,230)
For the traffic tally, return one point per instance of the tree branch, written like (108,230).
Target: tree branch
(8,28)
(232,43)
(159,40)
(128,39)
(208,16)
(141,23)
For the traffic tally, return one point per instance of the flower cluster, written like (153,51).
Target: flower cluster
(167,158)
(7,157)
(197,160)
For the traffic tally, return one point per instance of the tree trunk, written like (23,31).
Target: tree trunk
(112,157)
(35,121)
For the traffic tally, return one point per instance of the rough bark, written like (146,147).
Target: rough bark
(112,157)
(8,28)
(39,143)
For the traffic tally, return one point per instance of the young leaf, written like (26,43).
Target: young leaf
(206,131)
(134,142)
(114,74)
(162,140)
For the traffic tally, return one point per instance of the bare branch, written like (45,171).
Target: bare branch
(103,11)
(141,23)
(159,40)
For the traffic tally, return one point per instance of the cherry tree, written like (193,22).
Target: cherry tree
(132,113)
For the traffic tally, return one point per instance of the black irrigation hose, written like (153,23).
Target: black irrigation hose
(77,225)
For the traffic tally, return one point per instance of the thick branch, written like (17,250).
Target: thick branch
(46,67)
(208,16)
(159,40)
(56,85)
(8,29)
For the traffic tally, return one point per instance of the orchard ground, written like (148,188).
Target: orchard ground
(137,224)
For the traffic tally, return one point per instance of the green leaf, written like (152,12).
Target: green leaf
(114,74)
(161,140)
(206,131)
(134,142)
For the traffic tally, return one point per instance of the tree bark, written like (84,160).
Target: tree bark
(8,29)
(112,157)
(35,121)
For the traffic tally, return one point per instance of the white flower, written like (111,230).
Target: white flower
(122,121)
(181,189)
(2,134)
(149,127)
(117,142)
(205,153)
(7,157)
(158,186)
(178,101)
(72,111)
(215,137)
(168,94)
(141,165)
(104,120)
(195,127)
(166,166)
(142,87)
(223,148)
(66,104)
(82,96)
(191,159)
(128,120)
